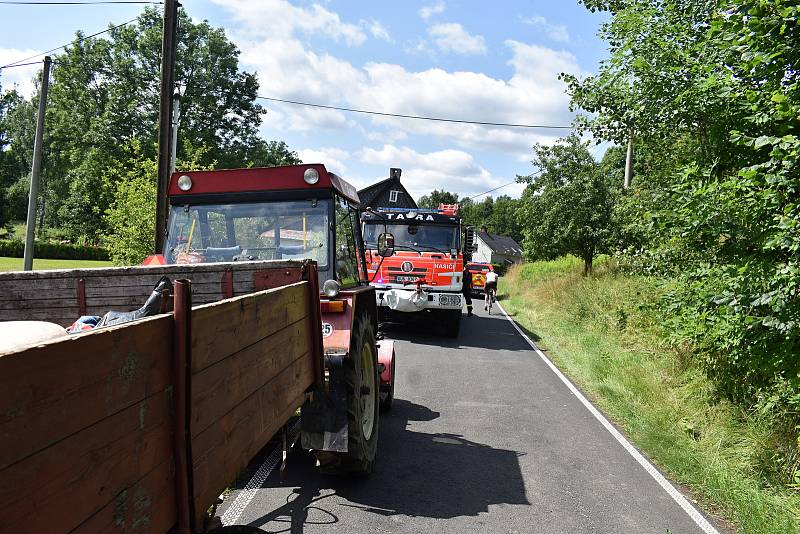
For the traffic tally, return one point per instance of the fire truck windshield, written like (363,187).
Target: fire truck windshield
(418,237)
(242,232)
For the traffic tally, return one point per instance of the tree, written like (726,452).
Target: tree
(14,155)
(131,212)
(437,197)
(105,93)
(567,208)
(712,91)
(504,220)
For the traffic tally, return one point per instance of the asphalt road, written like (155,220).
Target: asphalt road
(483,437)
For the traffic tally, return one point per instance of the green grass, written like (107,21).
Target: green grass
(15,264)
(604,333)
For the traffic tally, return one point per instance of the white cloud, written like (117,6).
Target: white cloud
(378,30)
(279,18)
(428,11)
(332,157)
(452,37)
(531,94)
(452,170)
(556,32)
(20,78)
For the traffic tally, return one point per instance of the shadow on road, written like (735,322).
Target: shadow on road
(417,474)
(491,332)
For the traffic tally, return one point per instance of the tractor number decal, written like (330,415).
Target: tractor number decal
(327,329)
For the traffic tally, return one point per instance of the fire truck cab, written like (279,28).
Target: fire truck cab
(424,275)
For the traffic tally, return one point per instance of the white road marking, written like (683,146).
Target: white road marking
(247,494)
(677,496)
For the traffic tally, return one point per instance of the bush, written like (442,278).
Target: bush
(500,268)
(53,251)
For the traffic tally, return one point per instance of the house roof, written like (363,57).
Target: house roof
(374,191)
(501,244)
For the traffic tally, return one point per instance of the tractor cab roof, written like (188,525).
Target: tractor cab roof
(298,178)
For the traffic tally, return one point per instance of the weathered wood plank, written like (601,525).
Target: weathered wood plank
(58,488)
(219,388)
(225,327)
(230,445)
(147,506)
(169,270)
(58,388)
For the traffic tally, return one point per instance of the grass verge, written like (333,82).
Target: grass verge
(603,332)
(15,264)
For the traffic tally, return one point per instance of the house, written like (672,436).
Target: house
(388,193)
(493,248)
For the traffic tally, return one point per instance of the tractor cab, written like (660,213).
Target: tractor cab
(290,212)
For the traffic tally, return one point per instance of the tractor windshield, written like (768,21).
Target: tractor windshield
(243,232)
(420,237)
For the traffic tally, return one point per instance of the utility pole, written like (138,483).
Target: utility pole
(168,46)
(629,162)
(36,167)
(176,119)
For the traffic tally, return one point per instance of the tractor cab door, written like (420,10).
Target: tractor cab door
(350,268)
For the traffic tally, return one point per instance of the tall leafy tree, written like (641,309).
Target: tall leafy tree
(436,197)
(567,208)
(105,94)
(710,89)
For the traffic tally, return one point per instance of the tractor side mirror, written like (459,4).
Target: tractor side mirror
(385,245)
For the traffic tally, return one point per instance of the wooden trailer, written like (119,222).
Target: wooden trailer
(139,427)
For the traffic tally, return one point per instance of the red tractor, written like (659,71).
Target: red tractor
(289,213)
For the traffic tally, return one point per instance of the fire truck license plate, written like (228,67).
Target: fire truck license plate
(406,278)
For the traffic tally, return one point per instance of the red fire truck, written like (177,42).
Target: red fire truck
(424,274)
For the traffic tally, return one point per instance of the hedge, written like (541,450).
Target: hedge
(53,251)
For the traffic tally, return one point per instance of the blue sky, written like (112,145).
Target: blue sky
(475,60)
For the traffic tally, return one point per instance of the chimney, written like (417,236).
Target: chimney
(395,173)
(484,229)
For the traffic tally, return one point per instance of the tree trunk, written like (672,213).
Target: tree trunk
(587,264)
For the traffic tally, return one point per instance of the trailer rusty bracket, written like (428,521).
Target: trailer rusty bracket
(80,289)
(226,283)
(182,449)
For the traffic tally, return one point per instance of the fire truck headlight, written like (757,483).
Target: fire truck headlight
(184,183)
(331,288)
(311,176)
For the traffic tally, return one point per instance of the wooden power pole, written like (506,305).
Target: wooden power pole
(168,46)
(36,168)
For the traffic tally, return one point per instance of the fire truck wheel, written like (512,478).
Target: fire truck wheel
(451,322)
(363,396)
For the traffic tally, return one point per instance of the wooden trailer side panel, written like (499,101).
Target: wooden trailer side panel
(251,363)
(61,296)
(87,422)
(85,430)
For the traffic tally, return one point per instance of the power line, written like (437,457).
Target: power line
(500,187)
(79,3)
(74,41)
(417,117)
(21,65)
(490,190)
